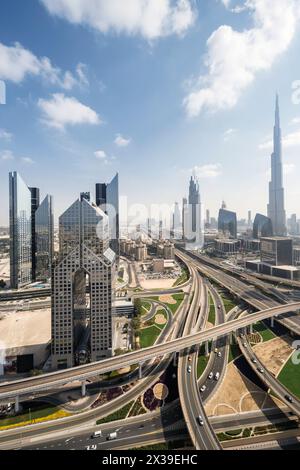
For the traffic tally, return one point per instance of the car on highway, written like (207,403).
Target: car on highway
(245,345)
(217,376)
(112,436)
(189,369)
(210,375)
(260,369)
(219,354)
(216,350)
(254,360)
(97,434)
(203,388)
(190,358)
(200,420)
(289,398)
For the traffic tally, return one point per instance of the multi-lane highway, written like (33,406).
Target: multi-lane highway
(200,430)
(81,373)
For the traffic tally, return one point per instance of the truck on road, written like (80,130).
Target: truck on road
(112,436)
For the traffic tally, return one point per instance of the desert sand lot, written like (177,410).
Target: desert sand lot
(149,284)
(274,353)
(23,329)
(237,394)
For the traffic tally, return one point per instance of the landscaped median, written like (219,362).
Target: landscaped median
(34,416)
(290,377)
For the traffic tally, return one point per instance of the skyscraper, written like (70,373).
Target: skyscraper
(35,202)
(276,211)
(193,225)
(44,239)
(20,232)
(227,223)
(82,287)
(107,198)
(176,226)
(184,216)
(101,195)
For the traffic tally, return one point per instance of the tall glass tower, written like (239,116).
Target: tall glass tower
(276,211)
(107,198)
(35,202)
(44,239)
(193,215)
(20,232)
(82,287)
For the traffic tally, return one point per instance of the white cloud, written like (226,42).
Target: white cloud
(289,140)
(149,18)
(120,141)
(295,121)
(228,134)
(234,58)
(101,155)
(16,63)
(208,171)
(6,155)
(61,111)
(27,160)
(4,135)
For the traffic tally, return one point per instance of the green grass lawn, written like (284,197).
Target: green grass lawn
(149,335)
(152,322)
(119,414)
(179,299)
(173,307)
(234,352)
(264,331)
(212,311)
(35,414)
(202,361)
(228,303)
(290,377)
(184,277)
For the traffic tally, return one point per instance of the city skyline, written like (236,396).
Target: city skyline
(217,143)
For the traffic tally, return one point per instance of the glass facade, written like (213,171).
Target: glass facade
(277,251)
(227,223)
(262,227)
(20,232)
(84,270)
(35,202)
(44,239)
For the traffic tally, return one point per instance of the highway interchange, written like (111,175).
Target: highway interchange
(183,336)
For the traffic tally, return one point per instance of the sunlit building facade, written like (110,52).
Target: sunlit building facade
(82,286)
(44,239)
(20,232)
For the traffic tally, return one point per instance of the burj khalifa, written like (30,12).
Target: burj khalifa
(276,211)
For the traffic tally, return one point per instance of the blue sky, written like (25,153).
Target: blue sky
(152,92)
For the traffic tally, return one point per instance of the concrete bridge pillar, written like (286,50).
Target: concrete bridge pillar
(83,389)
(272,322)
(140,371)
(17,404)
(207,352)
(251,329)
(175,360)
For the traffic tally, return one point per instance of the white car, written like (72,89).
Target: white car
(203,388)
(189,369)
(219,354)
(210,375)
